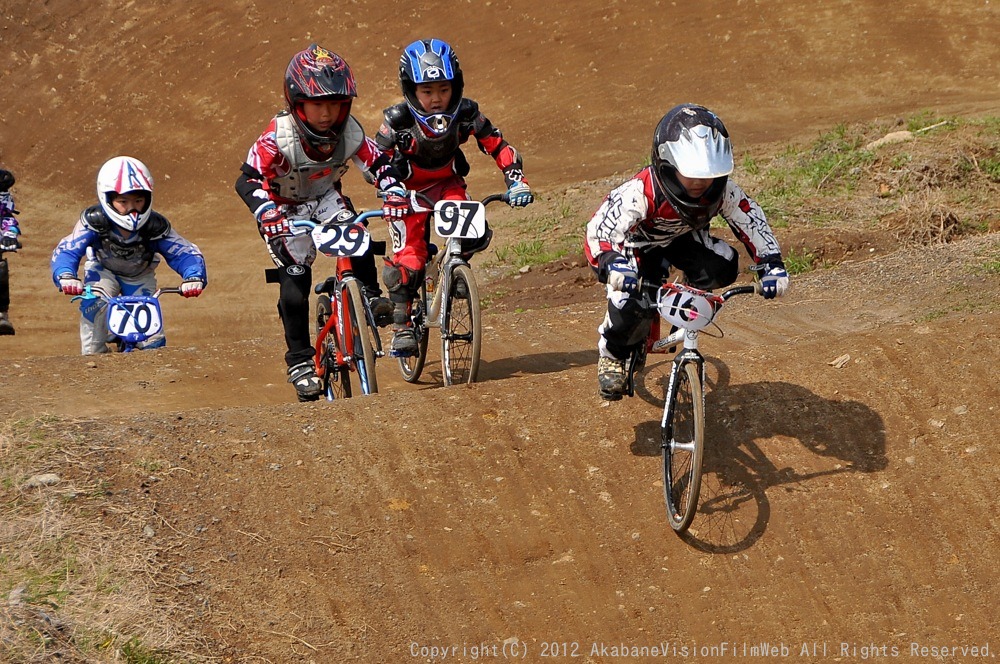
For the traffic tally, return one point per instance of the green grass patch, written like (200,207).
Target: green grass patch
(529,252)
(797,262)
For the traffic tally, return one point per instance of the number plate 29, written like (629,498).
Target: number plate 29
(461,219)
(342,239)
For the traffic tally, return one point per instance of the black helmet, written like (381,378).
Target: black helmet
(691,140)
(430,61)
(6,179)
(318,74)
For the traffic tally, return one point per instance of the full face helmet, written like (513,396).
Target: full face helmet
(691,140)
(124,175)
(431,61)
(317,74)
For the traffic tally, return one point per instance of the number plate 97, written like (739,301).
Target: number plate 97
(461,219)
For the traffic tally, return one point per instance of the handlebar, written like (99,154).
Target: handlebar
(415,195)
(362,217)
(648,291)
(92,292)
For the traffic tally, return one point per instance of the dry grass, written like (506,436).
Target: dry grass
(77,577)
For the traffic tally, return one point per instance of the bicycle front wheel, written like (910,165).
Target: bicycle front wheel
(336,379)
(461,329)
(357,339)
(412,365)
(683,444)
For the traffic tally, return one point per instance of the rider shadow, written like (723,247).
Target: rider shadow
(540,363)
(733,510)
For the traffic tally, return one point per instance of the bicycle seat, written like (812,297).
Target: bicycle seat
(328,286)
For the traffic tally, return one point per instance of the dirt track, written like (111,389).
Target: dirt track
(847,509)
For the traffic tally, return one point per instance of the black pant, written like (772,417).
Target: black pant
(4,284)
(698,256)
(295,282)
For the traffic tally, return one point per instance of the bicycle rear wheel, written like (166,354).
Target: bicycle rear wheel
(358,339)
(461,329)
(413,365)
(336,380)
(683,445)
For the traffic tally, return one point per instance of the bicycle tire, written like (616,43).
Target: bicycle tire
(412,366)
(360,343)
(336,380)
(683,445)
(461,329)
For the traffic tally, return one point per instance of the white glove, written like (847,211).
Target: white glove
(70,285)
(192,288)
(621,277)
(774,282)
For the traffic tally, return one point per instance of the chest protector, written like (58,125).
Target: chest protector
(130,256)
(309,179)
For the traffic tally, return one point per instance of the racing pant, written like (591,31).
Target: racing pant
(294,255)
(404,272)
(707,263)
(94,334)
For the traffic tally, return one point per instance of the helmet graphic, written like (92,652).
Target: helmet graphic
(123,175)
(430,61)
(691,140)
(317,74)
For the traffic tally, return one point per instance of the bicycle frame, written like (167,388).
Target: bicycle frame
(347,355)
(460,328)
(443,265)
(688,310)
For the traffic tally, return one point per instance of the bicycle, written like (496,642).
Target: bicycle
(449,296)
(132,319)
(347,338)
(682,426)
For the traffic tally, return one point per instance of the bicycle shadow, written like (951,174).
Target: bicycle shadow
(734,510)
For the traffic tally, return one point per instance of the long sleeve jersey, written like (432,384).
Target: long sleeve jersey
(637,215)
(279,171)
(126,256)
(421,160)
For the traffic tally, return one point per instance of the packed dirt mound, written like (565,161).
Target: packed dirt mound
(178,506)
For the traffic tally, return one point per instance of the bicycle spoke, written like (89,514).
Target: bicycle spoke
(683,446)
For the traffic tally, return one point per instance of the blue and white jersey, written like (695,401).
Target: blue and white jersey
(123,253)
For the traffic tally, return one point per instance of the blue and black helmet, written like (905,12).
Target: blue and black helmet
(430,61)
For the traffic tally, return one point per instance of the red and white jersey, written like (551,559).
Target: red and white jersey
(291,176)
(637,214)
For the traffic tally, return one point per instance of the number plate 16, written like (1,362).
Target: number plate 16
(461,219)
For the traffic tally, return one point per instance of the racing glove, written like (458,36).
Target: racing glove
(395,204)
(773,279)
(192,287)
(9,230)
(70,285)
(518,192)
(273,223)
(621,276)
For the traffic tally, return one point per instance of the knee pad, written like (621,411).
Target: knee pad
(92,308)
(399,277)
(294,281)
(401,282)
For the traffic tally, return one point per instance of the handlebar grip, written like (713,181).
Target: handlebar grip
(493,198)
(741,290)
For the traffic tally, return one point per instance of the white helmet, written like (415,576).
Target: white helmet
(691,140)
(122,175)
